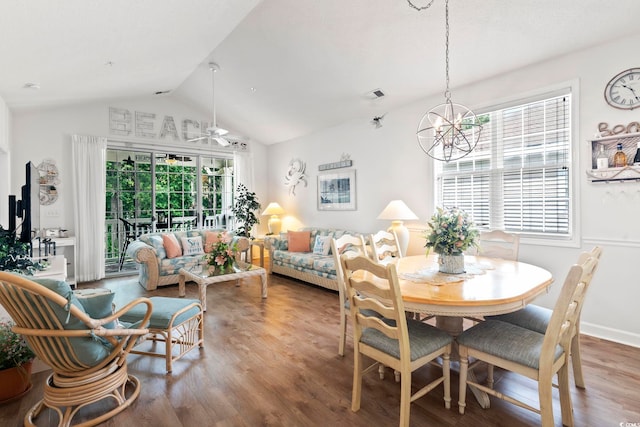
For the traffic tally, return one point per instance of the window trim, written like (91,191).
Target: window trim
(572,87)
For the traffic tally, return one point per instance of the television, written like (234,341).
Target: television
(29,207)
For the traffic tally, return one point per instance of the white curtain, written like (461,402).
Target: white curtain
(89,186)
(243,164)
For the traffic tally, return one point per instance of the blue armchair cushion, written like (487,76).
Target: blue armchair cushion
(88,350)
(98,305)
(532,317)
(424,339)
(506,341)
(164,309)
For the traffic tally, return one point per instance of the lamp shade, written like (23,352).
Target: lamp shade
(397,210)
(273,209)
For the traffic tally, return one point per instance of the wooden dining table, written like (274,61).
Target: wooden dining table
(489,286)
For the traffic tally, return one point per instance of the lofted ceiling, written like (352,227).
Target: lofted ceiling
(288,67)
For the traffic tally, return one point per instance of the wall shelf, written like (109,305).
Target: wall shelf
(629,143)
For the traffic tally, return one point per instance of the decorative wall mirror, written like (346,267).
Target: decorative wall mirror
(48,182)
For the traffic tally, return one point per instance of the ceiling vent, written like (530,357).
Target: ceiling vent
(375,94)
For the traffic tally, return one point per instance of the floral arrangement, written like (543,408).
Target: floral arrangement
(14,350)
(222,252)
(452,232)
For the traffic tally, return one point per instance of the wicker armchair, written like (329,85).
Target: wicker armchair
(89,360)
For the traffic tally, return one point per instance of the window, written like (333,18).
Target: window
(518,177)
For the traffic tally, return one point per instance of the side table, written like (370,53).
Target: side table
(260,244)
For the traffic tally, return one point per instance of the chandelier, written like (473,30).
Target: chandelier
(448,131)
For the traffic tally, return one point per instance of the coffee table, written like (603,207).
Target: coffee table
(204,277)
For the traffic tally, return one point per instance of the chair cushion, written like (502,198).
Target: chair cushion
(424,339)
(97,303)
(532,317)
(507,341)
(163,310)
(89,350)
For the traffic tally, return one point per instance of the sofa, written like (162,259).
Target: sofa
(158,269)
(316,267)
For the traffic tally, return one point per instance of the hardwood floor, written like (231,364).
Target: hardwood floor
(275,362)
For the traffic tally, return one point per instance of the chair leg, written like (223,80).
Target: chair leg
(357,380)
(381,370)
(565,396)
(343,334)
(123,253)
(464,367)
(446,373)
(576,360)
(490,375)
(545,387)
(405,398)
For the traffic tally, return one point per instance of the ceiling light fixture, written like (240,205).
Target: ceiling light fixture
(448,131)
(31,86)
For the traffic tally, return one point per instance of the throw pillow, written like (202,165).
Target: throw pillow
(322,245)
(211,237)
(158,245)
(192,245)
(171,245)
(98,303)
(299,241)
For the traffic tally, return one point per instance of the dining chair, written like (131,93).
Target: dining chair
(529,353)
(536,318)
(498,244)
(388,337)
(384,246)
(353,245)
(86,351)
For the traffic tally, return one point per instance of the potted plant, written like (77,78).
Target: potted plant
(452,233)
(14,255)
(245,209)
(15,363)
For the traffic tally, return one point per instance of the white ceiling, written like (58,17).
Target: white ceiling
(311,62)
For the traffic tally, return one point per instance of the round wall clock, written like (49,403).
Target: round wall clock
(623,90)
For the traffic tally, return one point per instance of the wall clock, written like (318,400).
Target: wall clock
(623,90)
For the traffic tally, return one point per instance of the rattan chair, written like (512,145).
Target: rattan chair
(529,353)
(387,336)
(89,360)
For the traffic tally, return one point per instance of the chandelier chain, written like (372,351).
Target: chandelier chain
(447,92)
(419,8)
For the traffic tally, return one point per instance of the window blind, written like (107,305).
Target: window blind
(518,177)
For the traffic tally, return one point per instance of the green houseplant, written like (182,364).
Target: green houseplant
(15,363)
(452,232)
(14,255)
(245,209)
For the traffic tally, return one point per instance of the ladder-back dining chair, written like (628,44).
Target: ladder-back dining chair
(499,244)
(384,246)
(382,332)
(537,356)
(536,318)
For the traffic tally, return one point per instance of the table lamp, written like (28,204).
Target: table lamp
(274,223)
(397,212)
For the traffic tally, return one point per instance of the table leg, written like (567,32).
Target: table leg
(453,326)
(181,292)
(263,278)
(202,291)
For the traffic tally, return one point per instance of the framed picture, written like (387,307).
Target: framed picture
(337,191)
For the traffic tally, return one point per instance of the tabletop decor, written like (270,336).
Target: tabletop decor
(222,253)
(452,232)
(15,363)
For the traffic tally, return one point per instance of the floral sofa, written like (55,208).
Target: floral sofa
(156,269)
(316,268)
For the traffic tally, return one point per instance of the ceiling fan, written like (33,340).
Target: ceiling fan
(213,132)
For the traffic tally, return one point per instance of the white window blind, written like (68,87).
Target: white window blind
(518,177)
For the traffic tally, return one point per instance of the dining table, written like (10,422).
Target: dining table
(488,286)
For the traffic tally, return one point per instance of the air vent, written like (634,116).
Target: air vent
(375,94)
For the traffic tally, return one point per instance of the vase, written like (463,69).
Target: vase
(15,382)
(451,264)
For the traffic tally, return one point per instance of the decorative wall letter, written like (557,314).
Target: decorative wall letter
(143,127)
(119,121)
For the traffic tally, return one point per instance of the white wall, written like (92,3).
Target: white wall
(5,164)
(47,133)
(390,165)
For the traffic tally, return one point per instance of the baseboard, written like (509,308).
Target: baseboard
(610,334)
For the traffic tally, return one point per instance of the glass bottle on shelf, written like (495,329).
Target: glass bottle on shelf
(636,159)
(602,161)
(619,159)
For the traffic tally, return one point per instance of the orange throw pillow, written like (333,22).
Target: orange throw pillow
(299,241)
(211,237)
(171,245)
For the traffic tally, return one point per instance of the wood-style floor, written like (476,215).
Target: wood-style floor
(274,362)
